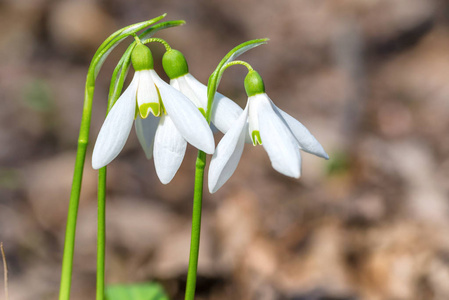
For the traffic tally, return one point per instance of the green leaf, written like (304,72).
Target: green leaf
(215,77)
(113,40)
(142,291)
(122,68)
(239,50)
(119,75)
(152,30)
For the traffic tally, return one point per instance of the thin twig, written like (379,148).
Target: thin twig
(5,271)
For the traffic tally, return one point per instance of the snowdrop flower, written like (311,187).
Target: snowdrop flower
(224,111)
(280,134)
(166,120)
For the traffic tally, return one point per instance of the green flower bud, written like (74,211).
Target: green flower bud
(142,58)
(254,84)
(174,64)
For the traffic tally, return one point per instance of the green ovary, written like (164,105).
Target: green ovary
(146,108)
(255,136)
(202,111)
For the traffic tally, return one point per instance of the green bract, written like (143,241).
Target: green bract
(113,40)
(174,64)
(121,70)
(254,84)
(142,58)
(215,77)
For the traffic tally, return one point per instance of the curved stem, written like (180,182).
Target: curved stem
(196,226)
(163,42)
(215,77)
(236,62)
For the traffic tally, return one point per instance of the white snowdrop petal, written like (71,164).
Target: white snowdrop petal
(228,153)
(187,118)
(175,83)
(169,149)
(199,88)
(185,88)
(115,130)
(145,130)
(147,96)
(224,111)
(305,139)
(278,141)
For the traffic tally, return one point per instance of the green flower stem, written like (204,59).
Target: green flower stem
(117,80)
(101,232)
(151,40)
(236,62)
(83,140)
(212,85)
(196,226)
(100,56)
(163,42)
(215,77)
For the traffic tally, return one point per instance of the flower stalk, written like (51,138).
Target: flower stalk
(101,233)
(212,86)
(196,226)
(100,56)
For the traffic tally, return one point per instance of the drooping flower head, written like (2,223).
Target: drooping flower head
(265,124)
(224,111)
(165,121)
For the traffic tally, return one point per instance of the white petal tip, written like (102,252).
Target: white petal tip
(97,163)
(294,174)
(288,170)
(165,180)
(210,149)
(213,187)
(320,153)
(165,177)
(95,167)
(317,152)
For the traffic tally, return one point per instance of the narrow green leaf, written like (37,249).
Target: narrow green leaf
(122,68)
(143,291)
(215,77)
(153,29)
(111,42)
(126,29)
(119,75)
(239,50)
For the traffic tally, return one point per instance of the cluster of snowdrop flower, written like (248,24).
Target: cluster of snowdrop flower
(168,116)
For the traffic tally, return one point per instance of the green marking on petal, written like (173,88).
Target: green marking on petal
(146,108)
(202,111)
(255,136)
(163,111)
(136,113)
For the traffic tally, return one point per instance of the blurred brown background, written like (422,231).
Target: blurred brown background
(369,78)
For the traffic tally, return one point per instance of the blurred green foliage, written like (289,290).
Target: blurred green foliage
(338,163)
(37,95)
(143,291)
